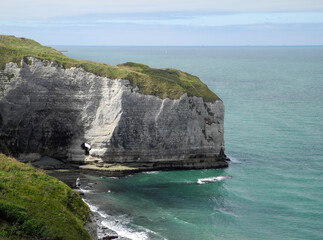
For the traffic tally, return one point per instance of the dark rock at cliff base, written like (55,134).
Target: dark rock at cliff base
(48,163)
(109,237)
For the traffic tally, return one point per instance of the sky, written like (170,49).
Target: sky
(165,22)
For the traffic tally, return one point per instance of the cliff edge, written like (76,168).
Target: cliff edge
(103,116)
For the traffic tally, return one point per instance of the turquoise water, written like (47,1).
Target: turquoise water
(273,133)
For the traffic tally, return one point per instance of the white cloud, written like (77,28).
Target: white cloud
(147,35)
(40,9)
(226,19)
(171,19)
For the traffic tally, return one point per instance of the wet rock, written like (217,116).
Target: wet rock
(109,237)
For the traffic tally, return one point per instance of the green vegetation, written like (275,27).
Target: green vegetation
(34,205)
(163,83)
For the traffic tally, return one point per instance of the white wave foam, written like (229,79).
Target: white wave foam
(85,190)
(118,224)
(103,214)
(212,179)
(151,172)
(234,160)
(92,207)
(123,231)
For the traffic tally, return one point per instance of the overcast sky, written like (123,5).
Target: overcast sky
(165,22)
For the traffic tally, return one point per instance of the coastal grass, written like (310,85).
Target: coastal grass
(34,205)
(164,83)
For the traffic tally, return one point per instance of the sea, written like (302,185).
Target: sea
(273,187)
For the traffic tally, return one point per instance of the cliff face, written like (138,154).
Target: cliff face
(48,110)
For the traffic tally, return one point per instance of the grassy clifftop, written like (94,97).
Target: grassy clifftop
(163,83)
(34,205)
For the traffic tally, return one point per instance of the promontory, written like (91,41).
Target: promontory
(98,116)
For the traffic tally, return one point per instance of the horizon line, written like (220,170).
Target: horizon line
(83,45)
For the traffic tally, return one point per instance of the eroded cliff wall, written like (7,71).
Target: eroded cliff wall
(48,110)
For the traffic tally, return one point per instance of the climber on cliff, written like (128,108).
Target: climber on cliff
(86,147)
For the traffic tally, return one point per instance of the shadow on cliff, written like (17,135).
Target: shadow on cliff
(41,115)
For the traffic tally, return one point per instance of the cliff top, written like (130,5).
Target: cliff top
(34,205)
(164,83)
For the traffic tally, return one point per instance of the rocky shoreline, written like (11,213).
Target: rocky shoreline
(95,228)
(69,175)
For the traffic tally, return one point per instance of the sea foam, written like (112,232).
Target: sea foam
(213,179)
(119,225)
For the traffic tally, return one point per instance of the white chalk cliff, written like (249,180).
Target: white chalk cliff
(46,110)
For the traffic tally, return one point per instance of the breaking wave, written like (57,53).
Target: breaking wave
(213,179)
(120,224)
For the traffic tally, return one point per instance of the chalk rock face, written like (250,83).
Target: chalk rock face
(48,110)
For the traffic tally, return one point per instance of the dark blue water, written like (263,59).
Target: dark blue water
(274,135)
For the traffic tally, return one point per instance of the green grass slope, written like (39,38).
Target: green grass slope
(34,205)
(164,83)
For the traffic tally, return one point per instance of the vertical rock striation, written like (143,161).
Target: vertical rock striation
(48,110)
